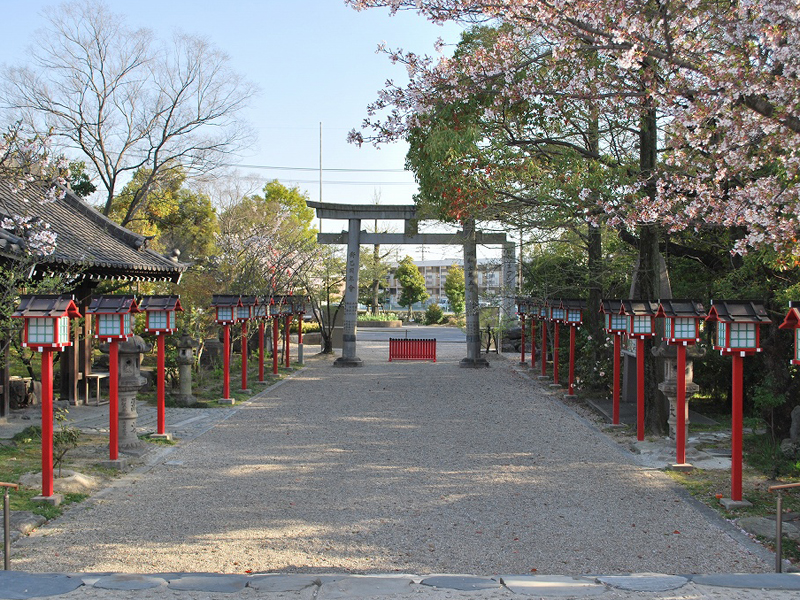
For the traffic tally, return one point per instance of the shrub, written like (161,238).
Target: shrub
(433,315)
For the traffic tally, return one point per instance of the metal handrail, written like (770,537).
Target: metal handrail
(7,522)
(779,522)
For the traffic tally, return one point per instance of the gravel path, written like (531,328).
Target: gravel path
(411,467)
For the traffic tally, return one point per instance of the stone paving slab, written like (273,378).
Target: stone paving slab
(757,581)
(20,586)
(464,583)
(551,586)
(129,581)
(644,582)
(366,587)
(225,584)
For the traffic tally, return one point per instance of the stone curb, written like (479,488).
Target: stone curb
(18,585)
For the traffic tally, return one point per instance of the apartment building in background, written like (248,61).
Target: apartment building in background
(435,274)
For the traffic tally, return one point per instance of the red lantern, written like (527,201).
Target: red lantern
(737,335)
(113,316)
(161,312)
(226,308)
(792,321)
(615,323)
(46,324)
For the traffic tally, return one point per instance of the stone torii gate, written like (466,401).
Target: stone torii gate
(354,237)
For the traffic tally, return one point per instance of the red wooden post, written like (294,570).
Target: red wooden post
(640,389)
(275,345)
(161,370)
(287,358)
(244,354)
(736,429)
(615,387)
(555,352)
(522,346)
(113,400)
(434,350)
(47,422)
(571,382)
(680,424)
(261,350)
(544,348)
(533,343)
(226,361)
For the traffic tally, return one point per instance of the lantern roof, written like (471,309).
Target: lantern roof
(226,301)
(738,311)
(52,306)
(638,308)
(572,304)
(680,309)
(113,304)
(611,307)
(249,300)
(168,303)
(792,320)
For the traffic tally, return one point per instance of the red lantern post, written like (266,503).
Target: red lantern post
(161,320)
(557,316)
(544,314)
(573,310)
(260,312)
(226,307)
(738,336)
(641,325)
(113,323)
(275,313)
(615,324)
(46,328)
(244,313)
(522,311)
(681,329)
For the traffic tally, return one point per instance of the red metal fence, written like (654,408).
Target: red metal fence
(414,349)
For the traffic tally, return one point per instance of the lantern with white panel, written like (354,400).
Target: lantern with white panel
(616,324)
(641,315)
(226,308)
(46,328)
(573,316)
(161,319)
(681,329)
(792,321)
(113,323)
(287,312)
(738,323)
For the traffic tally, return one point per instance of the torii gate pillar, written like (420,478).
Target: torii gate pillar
(473,360)
(348,357)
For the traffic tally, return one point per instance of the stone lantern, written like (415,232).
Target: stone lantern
(186,346)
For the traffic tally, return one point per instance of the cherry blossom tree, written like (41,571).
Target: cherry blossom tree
(722,75)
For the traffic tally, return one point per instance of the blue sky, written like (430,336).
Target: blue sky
(314,61)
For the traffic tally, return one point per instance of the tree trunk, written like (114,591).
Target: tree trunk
(649,268)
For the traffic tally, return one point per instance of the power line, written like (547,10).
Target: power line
(316,169)
(351,182)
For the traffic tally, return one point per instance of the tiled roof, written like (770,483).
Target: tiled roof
(89,244)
